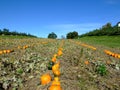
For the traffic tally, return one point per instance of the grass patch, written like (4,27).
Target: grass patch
(109,41)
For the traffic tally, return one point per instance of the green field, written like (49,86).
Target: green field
(109,41)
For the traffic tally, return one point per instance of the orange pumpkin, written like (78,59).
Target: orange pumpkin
(86,62)
(60,53)
(113,54)
(8,51)
(4,51)
(57,72)
(55,67)
(110,53)
(55,55)
(55,83)
(56,78)
(60,49)
(55,87)
(45,79)
(24,47)
(94,48)
(119,56)
(54,59)
(1,52)
(116,55)
(57,64)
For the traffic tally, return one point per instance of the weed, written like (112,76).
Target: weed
(101,69)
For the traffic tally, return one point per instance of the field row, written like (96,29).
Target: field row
(47,64)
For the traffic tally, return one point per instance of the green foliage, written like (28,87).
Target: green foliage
(106,29)
(114,41)
(19,70)
(72,35)
(50,64)
(101,69)
(14,33)
(52,35)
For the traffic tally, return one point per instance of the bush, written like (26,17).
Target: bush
(101,69)
(72,35)
(52,35)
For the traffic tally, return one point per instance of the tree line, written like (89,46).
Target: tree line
(70,35)
(14,33)
(105,30)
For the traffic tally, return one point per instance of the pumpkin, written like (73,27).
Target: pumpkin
(54,59)
(60,53)
(55,83)
(55,55)
(56,78)
(57,64)
(55,67)
(113,54)
(4,51)
(1,52)
(8,51)
(55,87)
(86,62)
(24,47)
(57,72)
(119,56)
(116,55)
(94,49)
(60,49)
(45,79)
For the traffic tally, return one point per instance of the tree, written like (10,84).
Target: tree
(107,29)
(6,31)
(52,35)
(108,25)
(1,32)
(72,35)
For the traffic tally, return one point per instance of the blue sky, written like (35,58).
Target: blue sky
(41,17)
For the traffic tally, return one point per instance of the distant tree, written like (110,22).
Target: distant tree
(108,25)
(6,31)
(0,32)
(72,35)
(107,29)
(52,35)
(14,33)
